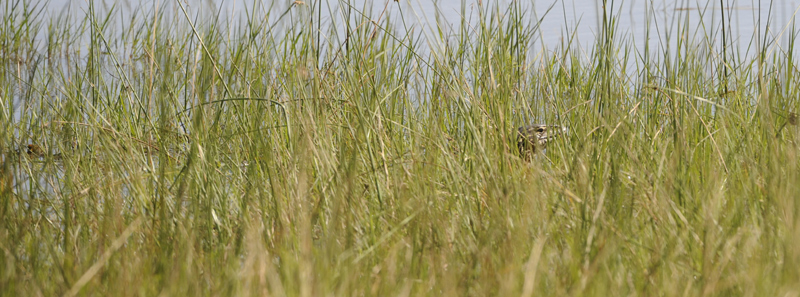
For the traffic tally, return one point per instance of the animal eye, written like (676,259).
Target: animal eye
(540,129)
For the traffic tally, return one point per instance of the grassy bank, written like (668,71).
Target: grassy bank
(315,158)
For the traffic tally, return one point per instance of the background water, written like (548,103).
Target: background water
(640,22)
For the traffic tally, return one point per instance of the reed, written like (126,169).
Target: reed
(294,153)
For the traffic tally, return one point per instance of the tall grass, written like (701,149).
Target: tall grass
(294,154)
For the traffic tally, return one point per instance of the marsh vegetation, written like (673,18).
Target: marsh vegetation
(185,156)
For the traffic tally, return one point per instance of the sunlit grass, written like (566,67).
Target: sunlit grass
(316,157)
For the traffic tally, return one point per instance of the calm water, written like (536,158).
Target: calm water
(560,19)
